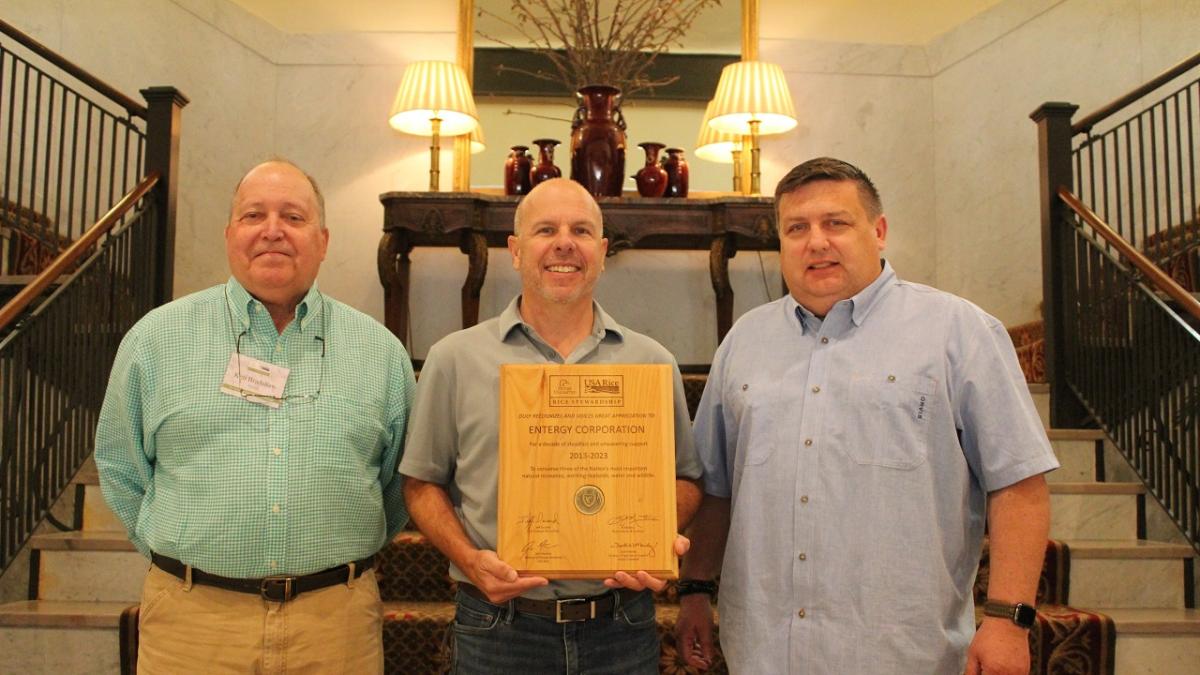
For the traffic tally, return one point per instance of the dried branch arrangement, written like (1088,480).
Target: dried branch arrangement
(610,42)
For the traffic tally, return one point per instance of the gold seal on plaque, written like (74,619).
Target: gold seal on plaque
(589,499)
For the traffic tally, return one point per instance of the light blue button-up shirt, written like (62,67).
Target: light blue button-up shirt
(237,488)
(858,451)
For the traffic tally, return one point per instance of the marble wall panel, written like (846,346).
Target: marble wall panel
(985,163)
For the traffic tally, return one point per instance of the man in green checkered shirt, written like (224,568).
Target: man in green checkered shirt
(249,442)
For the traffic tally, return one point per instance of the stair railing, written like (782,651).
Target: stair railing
(90,179)
(1122,335)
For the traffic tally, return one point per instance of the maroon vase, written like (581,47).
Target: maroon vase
(544,169)
(598,141)
(516,171)
(651,179)
(677,173)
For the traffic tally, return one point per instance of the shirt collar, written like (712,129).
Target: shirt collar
(862,303)
(242,304)
(602,324)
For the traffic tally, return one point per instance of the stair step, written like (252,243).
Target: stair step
(1112,574)
(1076,452)
(1040,391)
(1094,510)
(89,566)
(1156,640)
(60,637)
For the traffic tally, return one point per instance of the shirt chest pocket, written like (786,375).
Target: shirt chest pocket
(892,418)
(756,408)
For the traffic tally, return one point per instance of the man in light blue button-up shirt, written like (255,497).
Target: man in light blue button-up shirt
(248,441)
(856,434)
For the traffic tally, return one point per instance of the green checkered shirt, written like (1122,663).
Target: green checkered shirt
(239,489)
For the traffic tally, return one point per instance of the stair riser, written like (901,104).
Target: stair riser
(110,576)
(1157,654)
(1101,583)
(96,515)
(1093,516)
(60,650)
(1078,460)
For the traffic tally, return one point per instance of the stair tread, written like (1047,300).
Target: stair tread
(1057,434)
(1094,488)
(1126,548)
(1164,621)
(82,541)
(62,614)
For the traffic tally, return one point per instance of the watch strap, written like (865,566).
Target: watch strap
(1021,614)
(690,586)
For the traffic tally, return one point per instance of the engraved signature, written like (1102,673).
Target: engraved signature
(632,549)
(535,548)
(631,523)
(538,522)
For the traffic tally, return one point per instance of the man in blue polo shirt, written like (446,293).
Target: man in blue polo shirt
(855,435)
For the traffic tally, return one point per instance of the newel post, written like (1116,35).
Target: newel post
(163,123)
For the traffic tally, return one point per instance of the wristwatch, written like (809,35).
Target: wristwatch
(1021,614)
(689,586)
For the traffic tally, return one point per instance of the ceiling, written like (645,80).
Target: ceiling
(912,22)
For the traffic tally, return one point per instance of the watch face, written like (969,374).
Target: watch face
(1025,616)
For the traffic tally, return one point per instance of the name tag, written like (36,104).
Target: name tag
(256,381)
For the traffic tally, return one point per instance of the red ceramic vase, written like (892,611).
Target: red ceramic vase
(545,169)
(598,141)
(677,173)
(516,171)
(651,179)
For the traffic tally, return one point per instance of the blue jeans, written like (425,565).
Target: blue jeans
(496,640)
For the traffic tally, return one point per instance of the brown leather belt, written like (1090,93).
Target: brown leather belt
(275,589)
(563,610)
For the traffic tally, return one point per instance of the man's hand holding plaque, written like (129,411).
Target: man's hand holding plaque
(587,473)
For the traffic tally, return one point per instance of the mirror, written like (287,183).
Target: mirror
(509,120)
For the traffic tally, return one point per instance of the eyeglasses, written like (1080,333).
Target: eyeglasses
(290,398)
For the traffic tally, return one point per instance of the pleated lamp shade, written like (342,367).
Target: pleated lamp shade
(432,89)
(753,90)
(478,144)
(713,145)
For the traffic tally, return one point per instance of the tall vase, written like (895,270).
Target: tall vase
(677,173)
(516,171)
(598,141)
(544,169)
(651,179)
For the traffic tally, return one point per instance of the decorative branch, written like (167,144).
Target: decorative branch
(586,43)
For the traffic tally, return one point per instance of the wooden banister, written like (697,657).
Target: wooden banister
(1084,125)
(69,257)
(1158,278)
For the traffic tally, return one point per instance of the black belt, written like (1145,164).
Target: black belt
(563,610)
(275,589)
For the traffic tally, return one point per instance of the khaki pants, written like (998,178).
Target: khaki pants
(210,630)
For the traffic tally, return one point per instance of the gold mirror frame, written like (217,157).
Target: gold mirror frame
(466,58)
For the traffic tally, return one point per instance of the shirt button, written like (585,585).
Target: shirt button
(276,451)
(816,390)
(891,378)
(800,613)
(804,499)
(808,441)
(745,387)
(824,340)
(275,508)
(803,556)
(274,564)
(278,348)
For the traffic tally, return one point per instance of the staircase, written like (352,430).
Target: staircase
(80,582)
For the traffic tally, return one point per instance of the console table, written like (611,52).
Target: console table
(474,221)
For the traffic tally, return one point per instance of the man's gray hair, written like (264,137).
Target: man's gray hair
(283,160)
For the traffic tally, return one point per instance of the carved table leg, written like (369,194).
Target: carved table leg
(474,244)
(394,266)
(723,248)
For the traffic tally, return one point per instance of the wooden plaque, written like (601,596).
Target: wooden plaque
(587,470)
